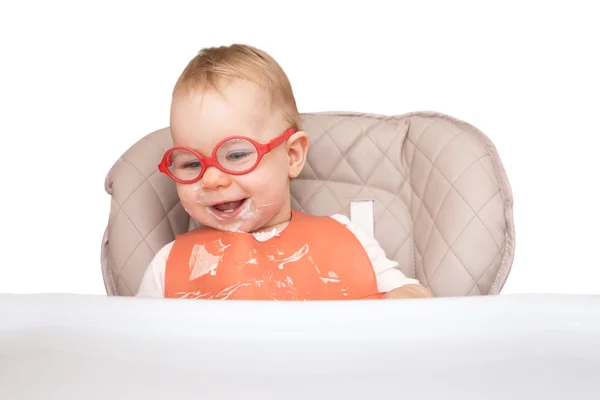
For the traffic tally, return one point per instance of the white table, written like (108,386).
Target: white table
(505,347)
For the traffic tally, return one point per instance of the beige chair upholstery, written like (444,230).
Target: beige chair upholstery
(442,200)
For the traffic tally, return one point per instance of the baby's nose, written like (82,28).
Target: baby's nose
(214,179)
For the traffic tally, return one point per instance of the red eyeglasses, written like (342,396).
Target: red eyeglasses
(235,155)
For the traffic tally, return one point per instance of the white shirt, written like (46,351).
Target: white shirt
(387,272)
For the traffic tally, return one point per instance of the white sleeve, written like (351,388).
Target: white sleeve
(388,274)
(153,282)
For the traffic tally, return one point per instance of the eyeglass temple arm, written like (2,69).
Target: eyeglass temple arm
(277,141)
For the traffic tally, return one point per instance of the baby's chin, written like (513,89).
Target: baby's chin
(246,224)
(243,226)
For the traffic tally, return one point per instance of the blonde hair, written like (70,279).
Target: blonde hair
(213,65)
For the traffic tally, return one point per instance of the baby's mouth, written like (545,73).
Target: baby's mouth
(228,210)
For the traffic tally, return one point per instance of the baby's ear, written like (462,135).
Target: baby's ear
(297,146)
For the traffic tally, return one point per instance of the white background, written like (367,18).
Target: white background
(80,82)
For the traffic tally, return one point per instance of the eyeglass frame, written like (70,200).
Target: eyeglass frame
(207,162)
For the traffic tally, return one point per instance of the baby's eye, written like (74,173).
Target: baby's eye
(191,165)
(237,155)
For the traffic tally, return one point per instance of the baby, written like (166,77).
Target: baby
(237,145)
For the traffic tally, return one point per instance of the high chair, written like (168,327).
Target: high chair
(430,188)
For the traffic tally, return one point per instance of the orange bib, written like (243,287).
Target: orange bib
(313,258)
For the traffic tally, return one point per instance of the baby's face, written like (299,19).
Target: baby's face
(245,203)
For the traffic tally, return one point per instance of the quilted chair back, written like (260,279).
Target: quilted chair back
(442,203)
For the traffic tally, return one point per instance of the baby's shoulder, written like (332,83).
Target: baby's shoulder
(342,219)
(355,229)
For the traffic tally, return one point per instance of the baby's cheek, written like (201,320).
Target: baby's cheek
(276,173)
(185,195)
(271,186)
(190,199)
